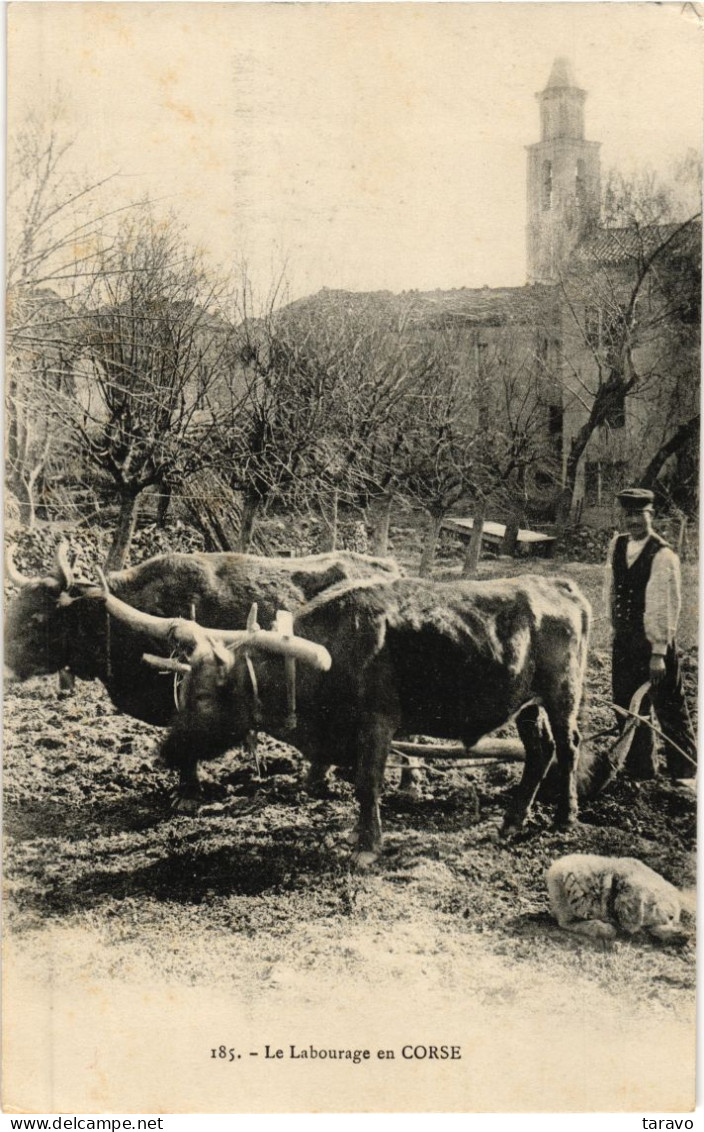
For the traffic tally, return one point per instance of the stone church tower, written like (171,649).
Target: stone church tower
(563,178)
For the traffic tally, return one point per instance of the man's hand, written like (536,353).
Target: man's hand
(657,668)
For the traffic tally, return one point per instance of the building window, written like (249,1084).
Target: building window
(592,327)
(580,185)
(481,350)
(555,418)
(547,186)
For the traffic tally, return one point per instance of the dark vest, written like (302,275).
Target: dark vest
(630,585)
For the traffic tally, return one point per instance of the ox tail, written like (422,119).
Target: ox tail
(593,768)
(589,769)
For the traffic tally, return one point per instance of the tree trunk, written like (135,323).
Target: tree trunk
(382,523)
(334,517)
(564,505)
(622,380)
(25,498)
(432,534)
(474,549)
(30,486)
(510,539)
(677,441)
(163,505)
(126,523)
(250,508)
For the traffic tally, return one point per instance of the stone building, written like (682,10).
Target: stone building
(598,299)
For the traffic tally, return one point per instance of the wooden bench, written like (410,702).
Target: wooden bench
(533,542)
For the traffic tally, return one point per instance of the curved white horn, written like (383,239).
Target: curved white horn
(159,627)
(296,647)
(63,568)
(165,663)
(193,636)
(14,574)
(176,629)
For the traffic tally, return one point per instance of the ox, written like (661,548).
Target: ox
(55,622)
(453,660)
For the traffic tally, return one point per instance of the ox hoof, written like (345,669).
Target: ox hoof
(510,829)
(366,858)
(566,824)
(319,790)
(184,804)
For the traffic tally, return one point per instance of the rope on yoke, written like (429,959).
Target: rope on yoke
(252,737)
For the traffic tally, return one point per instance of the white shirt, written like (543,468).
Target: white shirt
(663,596)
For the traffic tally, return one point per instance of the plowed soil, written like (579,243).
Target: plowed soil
(261,889)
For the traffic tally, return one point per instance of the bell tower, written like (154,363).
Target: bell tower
(563,178)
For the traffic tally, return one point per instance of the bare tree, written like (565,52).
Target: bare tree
(147,352)
(53,216)
(633,298)
(449,444)
(312,405)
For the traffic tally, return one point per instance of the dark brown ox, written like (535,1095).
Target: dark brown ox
(55,622)
(453,660)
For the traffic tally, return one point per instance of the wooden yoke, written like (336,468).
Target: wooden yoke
(283,624)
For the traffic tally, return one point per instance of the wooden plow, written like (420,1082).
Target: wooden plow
(409,756)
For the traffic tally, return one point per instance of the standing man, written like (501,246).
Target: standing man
(642,589)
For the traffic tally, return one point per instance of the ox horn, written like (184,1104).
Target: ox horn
(178,630)
(160,627)
(165,663)
(64,570)
(193,636)
(14,574)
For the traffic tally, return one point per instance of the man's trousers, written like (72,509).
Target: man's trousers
(631,668)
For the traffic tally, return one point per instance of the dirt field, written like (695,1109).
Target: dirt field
(257,901)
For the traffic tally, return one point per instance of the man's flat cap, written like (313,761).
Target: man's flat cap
(636,498)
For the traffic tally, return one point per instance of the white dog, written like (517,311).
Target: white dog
(595,896)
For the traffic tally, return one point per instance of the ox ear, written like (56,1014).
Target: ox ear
(357,638)
(312,584)
(223,658)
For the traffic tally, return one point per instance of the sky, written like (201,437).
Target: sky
(353,145)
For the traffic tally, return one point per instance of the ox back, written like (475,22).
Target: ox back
(452,660)
(53,623)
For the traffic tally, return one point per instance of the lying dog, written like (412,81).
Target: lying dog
(595,896)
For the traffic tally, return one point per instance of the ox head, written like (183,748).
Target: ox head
(34,622)
(219,695)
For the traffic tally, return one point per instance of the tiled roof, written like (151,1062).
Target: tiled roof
(480,306)
(620,245)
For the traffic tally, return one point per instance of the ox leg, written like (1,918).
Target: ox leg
(411,776)
(563,721)
(540,750)
(374,741)
(186,798)
(316,783)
